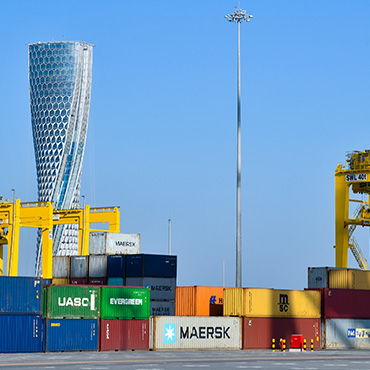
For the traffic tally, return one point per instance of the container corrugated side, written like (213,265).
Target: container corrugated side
(61,281)
(179,332)
(162,308)
(160,288)
(338,279)
(121,335)
(20,295)
(71,335)
(282,303)
(97,266)
(346,303)
(115,281)
(73,301)
(61,267)
(116,265)
(97,242)
(79,267)
(197,300)
(233,301)
(258,332)
(345,334)
(125,303)
(20,333)
(358,279)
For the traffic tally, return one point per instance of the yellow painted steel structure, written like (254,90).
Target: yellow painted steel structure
(14,215)
(355,176)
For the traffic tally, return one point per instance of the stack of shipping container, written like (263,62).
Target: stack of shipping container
(198,323)
(92,318)
(345,300)
(20,314)
(157,273)
(269,314)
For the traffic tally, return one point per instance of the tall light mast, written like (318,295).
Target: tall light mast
(238,16)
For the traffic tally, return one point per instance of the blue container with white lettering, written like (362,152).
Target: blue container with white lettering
(71,335)
(20,295)
(20,333)
(151,265)
(116,265)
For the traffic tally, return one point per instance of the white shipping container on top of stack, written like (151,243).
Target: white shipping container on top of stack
(113,243)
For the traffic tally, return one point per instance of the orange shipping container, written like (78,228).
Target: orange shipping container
(199,301)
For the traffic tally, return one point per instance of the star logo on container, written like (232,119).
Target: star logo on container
(169,333)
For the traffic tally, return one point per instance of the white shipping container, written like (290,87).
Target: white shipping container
(122,243)
(61,267)
(113,243)
(190,332)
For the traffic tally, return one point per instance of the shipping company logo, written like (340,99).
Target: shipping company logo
(351,333)
(107,331)
(126,301)
(77,302)
(205,332)
(283,303)
(125,244)
(169,333)
(213,300)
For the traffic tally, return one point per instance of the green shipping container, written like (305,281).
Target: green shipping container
(71,301)
(125,303)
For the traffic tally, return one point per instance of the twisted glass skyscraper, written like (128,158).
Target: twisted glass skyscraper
(60,88)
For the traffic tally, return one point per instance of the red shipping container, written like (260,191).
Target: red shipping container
(98,281)
(345,304)
(258,332)
(121,335)
(79,281)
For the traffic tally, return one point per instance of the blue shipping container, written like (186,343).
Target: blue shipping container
(71,335)
(151,265)
(20,333)
(115,281)
(20,295)
(345,334)
(116,265)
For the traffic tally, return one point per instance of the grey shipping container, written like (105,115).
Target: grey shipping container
(61,267)
(79,267)
(162,289)
(162,308)
(96,242)
(318,277)
(97,266)
(345,334)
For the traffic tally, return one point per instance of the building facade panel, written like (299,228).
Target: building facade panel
(60,88)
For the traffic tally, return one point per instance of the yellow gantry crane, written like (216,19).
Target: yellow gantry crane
(355,175)
(14,215)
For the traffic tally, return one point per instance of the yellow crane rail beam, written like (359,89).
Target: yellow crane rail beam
(41,215)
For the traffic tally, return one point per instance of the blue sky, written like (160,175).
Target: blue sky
(162,132)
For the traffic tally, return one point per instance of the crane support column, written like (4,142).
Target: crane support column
(341,218)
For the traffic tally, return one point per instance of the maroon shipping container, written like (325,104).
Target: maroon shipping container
(121,335)
(98,281)
(79,281)
(345,304)
(258,332)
